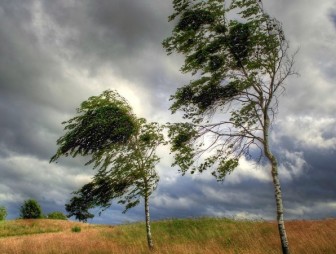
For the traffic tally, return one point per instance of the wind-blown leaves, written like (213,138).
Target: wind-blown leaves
(103,122)
(97,193)
(238,57)
(194,19)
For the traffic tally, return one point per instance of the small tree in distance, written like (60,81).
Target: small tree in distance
(79,206)
(30,210)
(3,213)
(240,59)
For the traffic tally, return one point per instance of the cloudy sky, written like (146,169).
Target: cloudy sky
(56,53)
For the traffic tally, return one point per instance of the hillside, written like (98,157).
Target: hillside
(204,235)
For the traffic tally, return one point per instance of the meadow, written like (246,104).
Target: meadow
(187,236)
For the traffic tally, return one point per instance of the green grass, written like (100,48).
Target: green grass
(224,235)
(172,236)
(76,229)
(32,226)
(199,232)
(25,227)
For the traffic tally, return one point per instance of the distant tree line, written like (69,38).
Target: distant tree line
(31,209)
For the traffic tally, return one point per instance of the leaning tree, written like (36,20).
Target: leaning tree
(121,147)
(239,58)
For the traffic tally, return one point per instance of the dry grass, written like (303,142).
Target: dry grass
(193,236)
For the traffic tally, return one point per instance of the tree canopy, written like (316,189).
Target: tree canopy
(31,209)
(239,59)
(125,175)
(103,122)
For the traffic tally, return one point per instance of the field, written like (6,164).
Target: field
(190,236)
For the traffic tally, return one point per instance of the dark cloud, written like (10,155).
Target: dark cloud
(124,36)
(116,32)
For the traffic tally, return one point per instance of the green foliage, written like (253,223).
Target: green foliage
(220,47)
(103,122)
(56,216)
(44,216)
(30,210)
(79,208)
(194,19)
(238,56)
(99,192)
(76,229)
(181,136)
(3,213)
(238,41)
(126,176)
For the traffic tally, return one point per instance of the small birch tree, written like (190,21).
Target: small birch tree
(123,150)
(239,65)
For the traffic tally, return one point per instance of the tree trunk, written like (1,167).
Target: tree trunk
(277,188)
(148,227)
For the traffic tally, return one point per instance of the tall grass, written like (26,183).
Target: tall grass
(28,227)
(187,236)
(205,235)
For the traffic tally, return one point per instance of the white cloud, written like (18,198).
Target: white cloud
(165,201)
(292,166)
(249,169)
(246,170)
(220,196)
(308,132)
(302,211)
(27,177)
(247,216)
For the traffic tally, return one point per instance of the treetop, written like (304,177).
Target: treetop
(103,121)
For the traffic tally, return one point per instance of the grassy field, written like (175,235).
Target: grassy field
(193,236)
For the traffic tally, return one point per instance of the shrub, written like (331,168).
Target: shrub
(56,216)
(3,213)
(30,210)
(76,229)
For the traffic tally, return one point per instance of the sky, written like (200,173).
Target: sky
(56,54)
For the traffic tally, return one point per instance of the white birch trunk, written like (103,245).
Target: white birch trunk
(277,188)
(148,227)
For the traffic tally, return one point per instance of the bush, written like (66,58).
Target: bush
(30,210)
(76,229)
(3,213)
(56,216)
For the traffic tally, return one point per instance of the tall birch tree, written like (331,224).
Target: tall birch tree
(121,147)
(239,58)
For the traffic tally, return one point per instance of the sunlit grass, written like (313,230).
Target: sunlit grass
(28,227)
(183,236)
(205,235)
